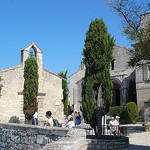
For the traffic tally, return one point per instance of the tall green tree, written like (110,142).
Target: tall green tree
(65,89)
(96,92)
(0,86)
(30,91)
(132,92)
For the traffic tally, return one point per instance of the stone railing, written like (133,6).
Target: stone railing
(18,136)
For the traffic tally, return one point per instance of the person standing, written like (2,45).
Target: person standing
(70,123)
(50,119)
(78,121)
(35,117)
(116,123)
(111,125)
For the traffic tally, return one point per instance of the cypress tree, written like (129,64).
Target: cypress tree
(65,88)
(132,91)
(31,76)
(98,54)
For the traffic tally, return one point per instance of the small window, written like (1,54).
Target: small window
(112,65)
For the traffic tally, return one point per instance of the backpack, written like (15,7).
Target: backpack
(56,123)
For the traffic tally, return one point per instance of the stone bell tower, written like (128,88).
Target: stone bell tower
(38,54)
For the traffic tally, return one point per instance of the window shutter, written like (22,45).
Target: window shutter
(145,73)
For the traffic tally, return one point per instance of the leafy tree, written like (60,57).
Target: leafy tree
(65,89)
(97,94)
(0,86)
(30,91)
(132,91)
(130,11)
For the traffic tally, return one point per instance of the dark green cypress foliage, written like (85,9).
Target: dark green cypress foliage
(0,86)
(87,103)
(31,76)
(97,56)
(65,88)
(132,91)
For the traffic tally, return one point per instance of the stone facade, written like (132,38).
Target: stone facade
(143,75)
(50,90)
(76,88)
(121,76)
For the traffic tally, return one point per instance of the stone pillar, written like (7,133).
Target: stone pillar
(40,111)
(22,116)
(147,116)
(24,56)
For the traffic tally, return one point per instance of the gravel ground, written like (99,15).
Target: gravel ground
(138,138)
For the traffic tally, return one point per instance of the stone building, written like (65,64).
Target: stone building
(50,93)
(121,76)
(143,74)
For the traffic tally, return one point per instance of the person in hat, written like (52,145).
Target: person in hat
(111,125)
(116,123)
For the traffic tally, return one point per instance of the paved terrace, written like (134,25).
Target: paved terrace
(138,138)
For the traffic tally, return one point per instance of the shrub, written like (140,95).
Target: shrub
(132,111)
(118,111)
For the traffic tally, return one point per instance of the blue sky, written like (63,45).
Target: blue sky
(58,27)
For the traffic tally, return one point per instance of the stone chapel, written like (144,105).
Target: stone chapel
(50,93)
(120,75)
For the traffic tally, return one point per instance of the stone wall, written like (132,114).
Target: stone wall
(104,144)
(11,104)
(18,137)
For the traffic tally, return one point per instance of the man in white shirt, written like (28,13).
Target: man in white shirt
(35,117)
(50,119)
(116,123)
(111,125)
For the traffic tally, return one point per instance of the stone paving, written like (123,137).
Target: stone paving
(138,138)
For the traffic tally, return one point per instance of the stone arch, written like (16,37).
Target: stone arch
(38,54)
(117,94)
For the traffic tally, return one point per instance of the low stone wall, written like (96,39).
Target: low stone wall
(29,137)
(104,144)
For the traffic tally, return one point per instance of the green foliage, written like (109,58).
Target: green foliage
(31,76)
(132,111)
(131,17)
(141,49)
(0,86)
(132,91)
(118,111)
(87,103)
(140,118)
(97,57)
(65,88)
